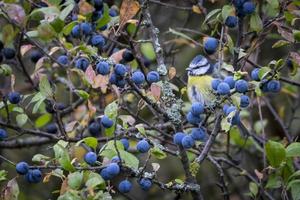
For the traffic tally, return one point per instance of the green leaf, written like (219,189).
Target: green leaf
(226,122)
(46,31)
(43,120)
(148,50)
(275,153)
(227,10)
(57,24)
(129,159)
(111,147)
(109,151)
(3,175)
(294,175)
(91,142)
(40,158)
(141,129)
(237,139)
(8,34)
(211,14)
(83,94)
(50,10)
(75,180)
(68,28)
(255,23)
(158,153)
(263,72)
(32,34)
(69,195)
(55,2)
(66,11)
(180,34)
(194,168)
(294,186)
(18,109)
(37,105)
(105,17)
(296,34)
(62,155)
(253,188)
(287,169)
(111,111)
(293,149)
(95,180)
(103,195)
(274,181)
(273,3)
(45,87)
(5,70)
(280,43)
(21,119)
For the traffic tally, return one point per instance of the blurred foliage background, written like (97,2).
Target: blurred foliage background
(178,52)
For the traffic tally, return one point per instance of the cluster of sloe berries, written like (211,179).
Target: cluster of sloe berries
(113,169)
(267,85)
(188,140)
(244,7)
(31,175)
(223,87)
(95,126)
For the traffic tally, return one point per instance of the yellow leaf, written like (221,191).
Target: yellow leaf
(172,72)
(196,9)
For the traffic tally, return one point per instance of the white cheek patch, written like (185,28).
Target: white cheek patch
(198,63)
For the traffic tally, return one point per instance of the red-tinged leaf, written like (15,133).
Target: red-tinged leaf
(172,72)
(116,91)
(90,74)
(117,56)
(286,34)
(296,57)
(12,81)
(11,191)
(259,175)
(155,91)
(70,126)
(85,8)
(101,82)
(80,112)
(41,62)
(92,109)
(15,12)
(128,10)
(25,49)
(64,187)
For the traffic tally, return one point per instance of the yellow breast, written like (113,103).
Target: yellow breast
(199,89)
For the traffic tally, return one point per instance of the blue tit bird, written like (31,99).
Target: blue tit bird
(200,75)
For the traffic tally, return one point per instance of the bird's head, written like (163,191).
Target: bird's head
(199,66)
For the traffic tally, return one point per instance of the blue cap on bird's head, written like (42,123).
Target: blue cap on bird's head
(199,66)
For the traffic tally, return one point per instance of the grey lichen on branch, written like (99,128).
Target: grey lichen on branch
(173,104)
(161,68)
